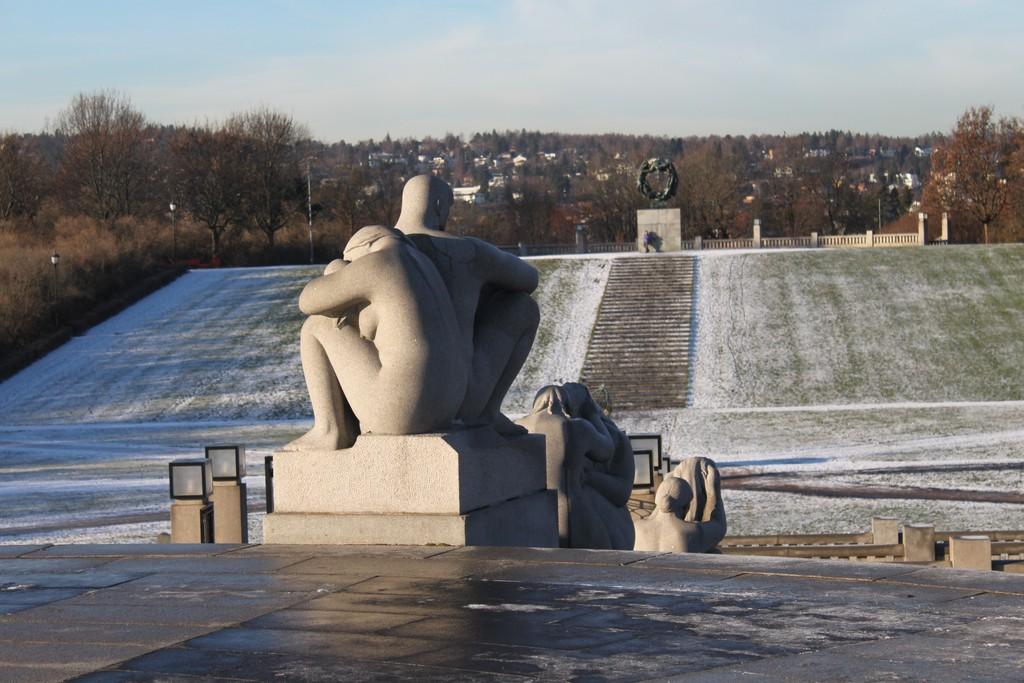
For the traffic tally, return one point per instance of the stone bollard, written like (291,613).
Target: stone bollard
(696,243)
(814,240)
(191,522)
(922,228)
(945,228)
(231,512)
(885,530)
(581,239)
(522,249)
(918,543)
(869,238)
(757,233)
(970,552)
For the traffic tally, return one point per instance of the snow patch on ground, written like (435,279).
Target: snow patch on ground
(569,297)
(767,512)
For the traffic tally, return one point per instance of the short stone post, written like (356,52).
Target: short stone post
(869,238)
(189,522)
(885,530)
(696,243)
(231,512)
(922,228)
(757,233)
(918,543)
(581,239)
(814,240)
(522,249)
(970,552)
(945,227)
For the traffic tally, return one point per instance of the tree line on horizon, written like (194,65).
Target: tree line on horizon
(99,186)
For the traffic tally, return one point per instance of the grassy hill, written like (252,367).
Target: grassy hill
(224,345)
(860,326)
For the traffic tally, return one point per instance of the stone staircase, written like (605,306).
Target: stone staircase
(640,346)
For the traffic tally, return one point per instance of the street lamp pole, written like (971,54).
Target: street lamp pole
(309,203)
(174,233)
(55,259)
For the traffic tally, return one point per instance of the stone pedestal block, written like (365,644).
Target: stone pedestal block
(467,487)
(918,543)
(970,552)
(885,530)
(231,513)
(665,223)
(189,522)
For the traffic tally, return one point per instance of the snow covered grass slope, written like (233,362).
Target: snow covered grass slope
(860,326)
(87,431)
(823,363)
(224,345)
(213,345)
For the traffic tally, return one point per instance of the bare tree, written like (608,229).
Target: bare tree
(789,208)
(348,199)
(273,183)
(209,167)
(385,192)
(972,171)
(107,163)
(709,192)
(611,202)
(827,180)
(530,208)
(22,179)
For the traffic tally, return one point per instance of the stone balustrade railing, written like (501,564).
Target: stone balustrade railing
(889,540)
(812,241)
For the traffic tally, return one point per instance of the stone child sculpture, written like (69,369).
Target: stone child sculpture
(381,347)
(690,514)
(590,464)
(490,293)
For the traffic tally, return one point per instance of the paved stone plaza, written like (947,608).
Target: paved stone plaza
(314,613)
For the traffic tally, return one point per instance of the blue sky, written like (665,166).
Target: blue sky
(354,70)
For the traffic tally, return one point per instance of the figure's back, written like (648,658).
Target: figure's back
(456,261)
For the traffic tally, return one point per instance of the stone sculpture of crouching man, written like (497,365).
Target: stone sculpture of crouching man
(381,347)
(490,293)
(690,515)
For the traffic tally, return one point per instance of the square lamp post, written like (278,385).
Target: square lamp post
(649,460)
(231,523)
(191,482)
(643,479)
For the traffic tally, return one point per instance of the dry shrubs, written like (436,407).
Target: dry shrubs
(97,261)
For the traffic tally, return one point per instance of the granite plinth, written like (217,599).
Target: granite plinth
(665,223)
(466,487)
(527,521)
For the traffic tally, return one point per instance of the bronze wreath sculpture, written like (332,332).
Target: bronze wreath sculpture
(658,166)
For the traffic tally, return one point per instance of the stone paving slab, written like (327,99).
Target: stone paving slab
(313,613)
(221,564)
(18,550)
(133,550)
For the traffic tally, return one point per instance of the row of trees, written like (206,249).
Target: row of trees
(253,174)
(248,175)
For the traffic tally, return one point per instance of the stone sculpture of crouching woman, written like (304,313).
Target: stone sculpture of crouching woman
(379,349)
(590,465)
(690,514)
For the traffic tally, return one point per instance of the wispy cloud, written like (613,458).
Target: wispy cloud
(676,68)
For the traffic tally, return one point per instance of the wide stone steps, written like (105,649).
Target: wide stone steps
(639,346)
